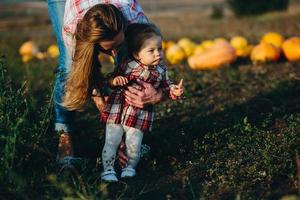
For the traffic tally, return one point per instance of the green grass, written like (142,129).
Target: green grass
(234,136)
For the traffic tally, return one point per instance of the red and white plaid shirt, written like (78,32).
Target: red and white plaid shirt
(118,111)
(76,9)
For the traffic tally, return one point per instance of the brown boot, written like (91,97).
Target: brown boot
(65,147)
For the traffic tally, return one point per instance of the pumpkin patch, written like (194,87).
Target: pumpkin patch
(206,54)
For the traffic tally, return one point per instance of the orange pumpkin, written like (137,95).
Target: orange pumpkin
(273,38)
(27,58)
(264,52)
(239,42)
(199,49)
(175,54)
(206,44)
(167,44)
(41,55)
(291,49)
(28,48)
(53,51)
(241,46)
(245,52)
(187,45)
(220,53)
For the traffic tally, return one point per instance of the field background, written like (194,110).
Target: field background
(235,136)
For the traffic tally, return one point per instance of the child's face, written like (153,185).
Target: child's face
(151,52)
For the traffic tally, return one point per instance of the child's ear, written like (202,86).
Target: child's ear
(136,56)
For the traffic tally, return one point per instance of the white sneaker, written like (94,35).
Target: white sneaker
(128,172)
(109,176)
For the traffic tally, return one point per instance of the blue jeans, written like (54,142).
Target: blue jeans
(62,118)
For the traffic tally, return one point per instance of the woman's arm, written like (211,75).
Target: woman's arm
(100,102)
(146,95)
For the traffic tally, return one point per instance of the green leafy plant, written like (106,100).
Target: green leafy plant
(13,109)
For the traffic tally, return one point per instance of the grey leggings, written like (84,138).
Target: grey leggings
(113,137)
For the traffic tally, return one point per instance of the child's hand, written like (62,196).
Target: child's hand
(177,90)
(119,81)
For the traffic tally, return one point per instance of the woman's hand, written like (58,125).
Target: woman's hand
(100,102)
(145,94)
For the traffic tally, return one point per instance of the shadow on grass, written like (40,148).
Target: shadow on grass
(174,170)
(172,142)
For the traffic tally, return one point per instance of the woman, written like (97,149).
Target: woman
(90,27)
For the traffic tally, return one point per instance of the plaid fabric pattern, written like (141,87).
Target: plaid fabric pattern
(76,9)
(118,111)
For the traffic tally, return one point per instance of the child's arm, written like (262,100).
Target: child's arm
(171,90)
(117,78)
(99,100)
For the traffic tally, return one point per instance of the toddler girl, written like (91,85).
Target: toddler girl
(144,63)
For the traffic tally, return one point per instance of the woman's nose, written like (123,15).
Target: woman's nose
(114,52)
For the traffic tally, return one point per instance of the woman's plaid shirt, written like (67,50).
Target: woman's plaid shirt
(76,9)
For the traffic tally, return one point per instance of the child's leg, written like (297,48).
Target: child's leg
(113,138)
(133,142)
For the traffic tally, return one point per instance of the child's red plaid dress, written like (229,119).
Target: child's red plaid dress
(118,111)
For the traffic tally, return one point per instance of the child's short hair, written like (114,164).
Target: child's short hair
(138,33)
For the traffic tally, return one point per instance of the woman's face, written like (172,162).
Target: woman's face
(151,52)
(111,47)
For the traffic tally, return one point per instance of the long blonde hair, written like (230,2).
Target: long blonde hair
(101,22)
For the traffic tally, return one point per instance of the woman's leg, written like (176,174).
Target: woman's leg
(113,137)
(62,117)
